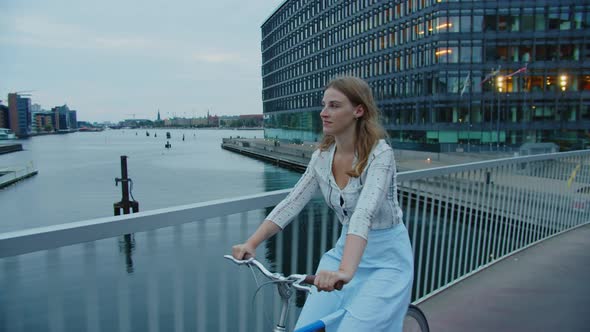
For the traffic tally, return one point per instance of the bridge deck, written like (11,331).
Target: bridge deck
(543,288)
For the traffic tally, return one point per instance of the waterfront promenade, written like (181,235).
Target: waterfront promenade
(10,175)
(296,156)
(8,148)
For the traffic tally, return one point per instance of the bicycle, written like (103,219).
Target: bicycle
(415,319)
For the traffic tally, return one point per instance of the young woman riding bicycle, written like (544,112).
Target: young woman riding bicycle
(353,168)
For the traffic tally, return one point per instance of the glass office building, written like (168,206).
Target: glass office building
(19,114)
(447,75)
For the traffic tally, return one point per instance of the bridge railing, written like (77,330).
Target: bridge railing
(163,269)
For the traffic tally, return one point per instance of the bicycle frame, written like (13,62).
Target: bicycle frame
(286,285)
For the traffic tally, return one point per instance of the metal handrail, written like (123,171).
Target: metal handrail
(44,238)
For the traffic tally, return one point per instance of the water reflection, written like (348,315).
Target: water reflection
(172,277)
(127,247)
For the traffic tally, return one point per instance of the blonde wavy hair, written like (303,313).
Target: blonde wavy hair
(368,129)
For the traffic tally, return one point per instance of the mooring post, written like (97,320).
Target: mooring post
(126,204)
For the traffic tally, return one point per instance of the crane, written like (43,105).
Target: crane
(24,93)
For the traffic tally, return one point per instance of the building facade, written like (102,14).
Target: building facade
(19,114)
(43,122)
(73,119)
(4,116)
(447,75)
(61,116)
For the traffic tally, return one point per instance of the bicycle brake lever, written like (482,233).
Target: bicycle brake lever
(297,284)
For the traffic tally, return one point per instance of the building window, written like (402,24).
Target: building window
(569,52)
(447,54)
(559,20)
(452,25)
(503,21)
(528,23)
(465,56)
(476,54)
(453,82)
(465,23)
(489,22)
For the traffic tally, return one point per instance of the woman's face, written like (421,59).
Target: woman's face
(338,113)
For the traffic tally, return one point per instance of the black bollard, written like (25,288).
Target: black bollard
(127,244)
(125,204)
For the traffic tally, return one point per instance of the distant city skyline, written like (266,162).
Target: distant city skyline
(118,60)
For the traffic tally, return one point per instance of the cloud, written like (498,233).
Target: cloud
(41,32)
(215,57)
(134,44)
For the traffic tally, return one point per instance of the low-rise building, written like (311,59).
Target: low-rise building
(43,122)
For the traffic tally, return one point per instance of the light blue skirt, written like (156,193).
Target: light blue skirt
(377,297)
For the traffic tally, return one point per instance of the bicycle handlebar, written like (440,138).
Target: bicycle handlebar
(311,278)
(295,279)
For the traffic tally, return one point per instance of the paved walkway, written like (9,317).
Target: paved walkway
(543,288)
(406,160)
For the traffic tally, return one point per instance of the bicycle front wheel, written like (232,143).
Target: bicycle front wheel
(415,321)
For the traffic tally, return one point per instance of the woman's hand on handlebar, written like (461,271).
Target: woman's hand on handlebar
(327,280)
(243,251)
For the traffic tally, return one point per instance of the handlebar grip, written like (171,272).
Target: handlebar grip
(311,278)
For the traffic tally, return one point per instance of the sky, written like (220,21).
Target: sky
(121,59)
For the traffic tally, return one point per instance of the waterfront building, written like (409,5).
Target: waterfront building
(184,122)
(448,75)
(61,117)
(136,123)
(34,123)
(251,120)
(73,119)
(19,114)
(43,122)
(36,108)
(212,120)
(4,116)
